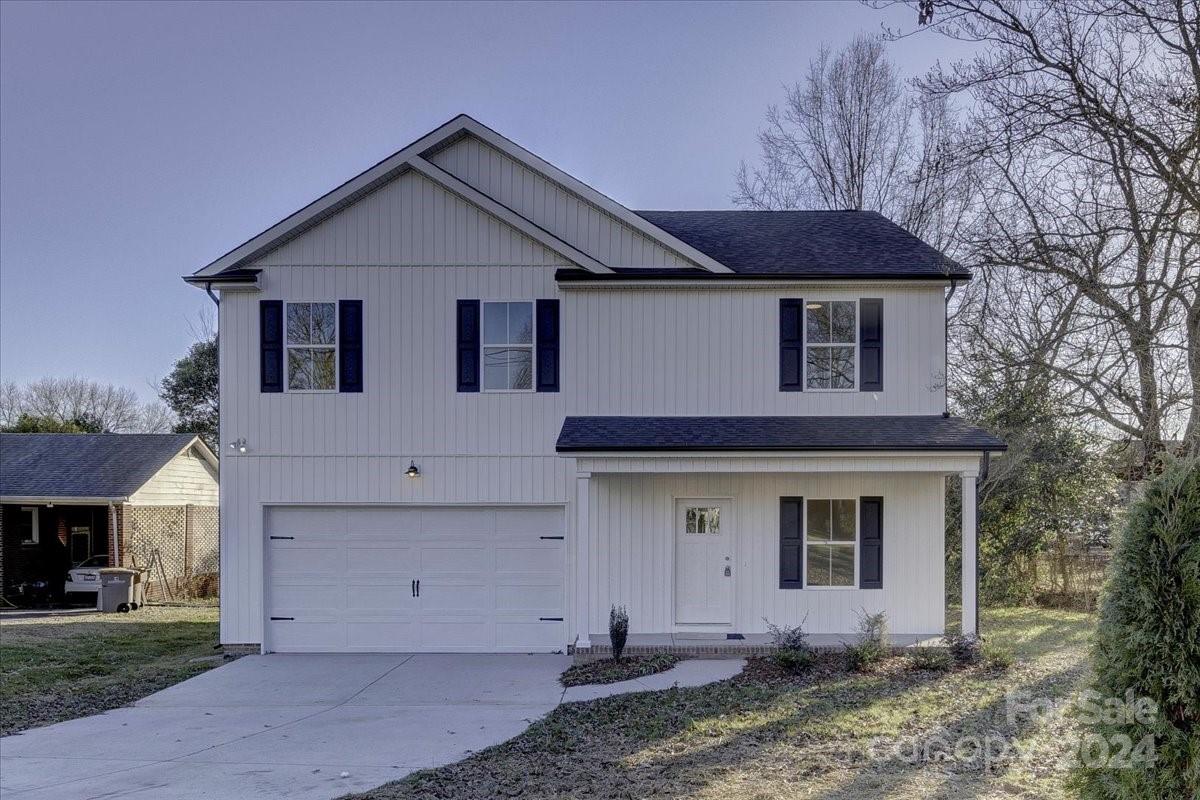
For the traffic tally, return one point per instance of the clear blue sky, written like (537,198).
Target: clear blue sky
(140,141)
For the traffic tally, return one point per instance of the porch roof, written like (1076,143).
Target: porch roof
(774,434)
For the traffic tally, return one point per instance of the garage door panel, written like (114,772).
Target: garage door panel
(529,521)
(308,636)
(530,635)
(395,635)
(387,521)
(488,579)
(308,560)
(465,633)
(380,559)
(305,521)
(307,596)
(472,521)
(533,558)
(478,597)
(460,559)
(386,597)
(545,599)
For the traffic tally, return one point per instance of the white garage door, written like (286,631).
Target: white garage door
(432,579)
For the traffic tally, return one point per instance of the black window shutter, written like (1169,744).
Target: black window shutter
(791,345)
(791,543)
(870,565)
(270,345)
(468,346)
(870,347)
(350,346)
(547,345)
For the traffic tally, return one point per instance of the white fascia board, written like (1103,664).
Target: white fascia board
(598,199)
(381,171)
(503,213)
(636,284)
(776,461)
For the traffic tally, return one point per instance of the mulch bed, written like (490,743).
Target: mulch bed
(609,671)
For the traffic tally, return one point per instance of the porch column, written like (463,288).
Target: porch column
(583,547)
(970,570)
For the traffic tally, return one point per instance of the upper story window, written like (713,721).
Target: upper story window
(311,347)
(27,525)
(831,344)
(831,542)
(507,344)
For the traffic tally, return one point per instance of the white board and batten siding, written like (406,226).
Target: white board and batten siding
(409,251)
(632,558)
(552,207)
(186,478)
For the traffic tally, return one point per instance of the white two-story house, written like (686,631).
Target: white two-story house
(469,403)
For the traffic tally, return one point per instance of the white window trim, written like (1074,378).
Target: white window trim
(35,532)
(287,346)
(855,544)
(532,346)
(855,344)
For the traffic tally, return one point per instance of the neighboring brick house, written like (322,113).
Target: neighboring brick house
(134,498)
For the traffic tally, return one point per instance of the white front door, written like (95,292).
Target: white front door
(703,562)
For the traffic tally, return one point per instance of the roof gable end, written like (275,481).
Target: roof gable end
(412,157)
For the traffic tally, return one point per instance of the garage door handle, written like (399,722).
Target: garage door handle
(283,537)
(550,619)
(283,619)
(552,537)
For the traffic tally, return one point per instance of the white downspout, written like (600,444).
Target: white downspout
(116,534)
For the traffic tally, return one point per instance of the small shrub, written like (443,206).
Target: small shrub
(787,638)
(872,645)
(618,630)
(792,651)
(996,658)
(930,659)
(964,649)
(794,660)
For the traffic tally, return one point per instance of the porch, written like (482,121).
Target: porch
(710,530)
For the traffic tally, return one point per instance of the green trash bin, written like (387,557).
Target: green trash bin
(116,589)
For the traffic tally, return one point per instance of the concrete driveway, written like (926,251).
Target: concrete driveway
(296,726)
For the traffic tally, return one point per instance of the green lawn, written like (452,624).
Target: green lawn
(765,735)
(57,668)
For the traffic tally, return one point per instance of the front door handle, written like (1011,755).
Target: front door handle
(418,587)
(413,587)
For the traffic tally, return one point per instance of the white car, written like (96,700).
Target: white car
(85,576)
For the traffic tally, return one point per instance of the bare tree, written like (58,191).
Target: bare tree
(109,408)
(10,403)
(157,417)
(1085,137)
(852,136)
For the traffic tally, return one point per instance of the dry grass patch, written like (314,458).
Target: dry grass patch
(58,668)
(770,734)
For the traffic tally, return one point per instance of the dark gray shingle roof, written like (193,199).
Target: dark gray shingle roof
(83,464)
(843,244)
(581,434)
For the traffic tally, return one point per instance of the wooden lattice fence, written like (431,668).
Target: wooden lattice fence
(179,545)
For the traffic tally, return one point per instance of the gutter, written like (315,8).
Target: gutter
(43,500)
